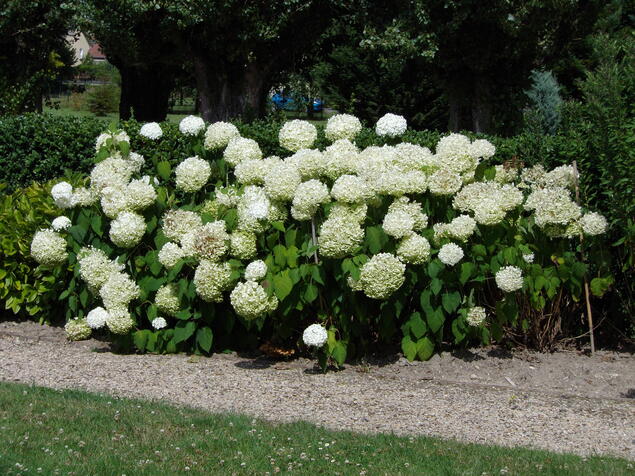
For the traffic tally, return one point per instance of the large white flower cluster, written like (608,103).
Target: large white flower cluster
(553,206)
(239,149)
(218,135)
(250,300)
(340,236)
(113,138)
(414,249)
(118,291)
(62,194)
(167,299)
(450,254)
(297,134)
(382,275)
(192,174)
(151,130)
(127,229)
(342,126)
(309,162)
(177,223)
(209,241)
(489,201)
(476,316)
(95,267)
(242,244)
(308,197)
(256,270)
(120,321)
(61,223)
(191,125)
(351,189)
(211,279)
(509,279)
(282,181)
(315,336)
(96,318)
(593,224)
(391,125)
(48,248)
(77,329)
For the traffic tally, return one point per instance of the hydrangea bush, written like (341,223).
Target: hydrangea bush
(341,249)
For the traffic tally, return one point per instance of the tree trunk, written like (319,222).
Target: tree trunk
(145,92)
(226,93)
(481,106)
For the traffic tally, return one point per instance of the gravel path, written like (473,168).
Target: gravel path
(395,398)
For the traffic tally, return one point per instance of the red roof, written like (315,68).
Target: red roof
(95,52)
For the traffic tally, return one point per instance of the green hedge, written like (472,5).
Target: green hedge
(40,147)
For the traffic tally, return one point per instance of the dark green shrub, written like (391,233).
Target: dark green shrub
(103,99)
(39,147)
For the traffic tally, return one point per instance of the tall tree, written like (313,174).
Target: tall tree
(33,50)
(136,37)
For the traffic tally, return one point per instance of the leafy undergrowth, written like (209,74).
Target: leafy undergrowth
(44,431)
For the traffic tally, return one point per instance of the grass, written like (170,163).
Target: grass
(44,431)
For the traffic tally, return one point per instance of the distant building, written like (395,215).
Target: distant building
(83,48)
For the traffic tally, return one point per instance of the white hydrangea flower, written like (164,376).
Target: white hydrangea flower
(398,224)
(593,224)
(192,174)
(308,197)
(281,182)
(256,270)
(116,137)
(114,200)
(167,299)
(552,206)
(351,189)
(151,130)
(211,279)
(243,244)
(563,176)
(476,316)
(62,194)
(454,154)
(461,228)
(482,149)
(218,135)
(120,321)
(413,249)
(528,258)
(250,300)
(340,158)
(169,254)
(382,275)
(210,241)
(176,223)
(95,267)
(296,134)
(96,318)
(61,223)
(509,279)
(254,207)
(159,323)
(135,162)
(118,291)
(239,149)
(444,182)
(191,125)
(342,126)
(251,172)
(309,162)
(356,212)
(84,197)
(450,254)
(228,197)
(48,248)
(505,174)
(315,336)
(339,236)
(127,229)
(140,194)
(77,329)
(409,157)
(110,172)
(420,219)
(391,125)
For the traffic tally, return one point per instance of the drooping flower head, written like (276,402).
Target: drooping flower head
(315,336)
(48,248)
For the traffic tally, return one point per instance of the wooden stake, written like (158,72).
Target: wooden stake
(314,239)
(587,297)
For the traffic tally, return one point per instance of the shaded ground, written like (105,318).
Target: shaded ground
(561,401)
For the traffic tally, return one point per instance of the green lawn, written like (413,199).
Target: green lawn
(53,432)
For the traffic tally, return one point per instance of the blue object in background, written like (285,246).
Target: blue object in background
(288,104)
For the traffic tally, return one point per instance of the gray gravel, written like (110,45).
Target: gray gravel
(482,407)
